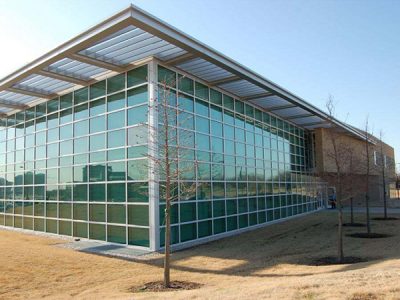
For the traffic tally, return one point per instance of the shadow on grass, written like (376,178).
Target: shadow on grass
(297,242)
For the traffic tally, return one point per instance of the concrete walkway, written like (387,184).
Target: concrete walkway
(373,210)
(107,249)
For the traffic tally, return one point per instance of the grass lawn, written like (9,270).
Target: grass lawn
(268,263)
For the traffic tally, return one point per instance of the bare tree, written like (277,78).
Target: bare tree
(383,174)
(367,143)
(340,154)
(170,149)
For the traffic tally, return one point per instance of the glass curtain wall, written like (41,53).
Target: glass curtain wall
(76,165)
(249,166)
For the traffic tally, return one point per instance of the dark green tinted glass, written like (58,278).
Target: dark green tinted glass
(138,237)
(116,83)
(138,215)
(116,234)
(137,76)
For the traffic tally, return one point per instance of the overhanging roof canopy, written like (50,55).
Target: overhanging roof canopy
(133,35)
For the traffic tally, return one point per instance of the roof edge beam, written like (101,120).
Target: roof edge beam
(300,116)
(10,104)
(313,123)
(258,96)
(279,107)
(224,80)
(180,59)
(80,42)
(31,93)
(96,62)
(62,77)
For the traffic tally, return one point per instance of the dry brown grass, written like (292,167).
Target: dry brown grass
(269,263)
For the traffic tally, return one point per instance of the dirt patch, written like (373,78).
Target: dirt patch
(385,219)
(158,286)
(365,296)
(333,260)
(372,235)
(353,225)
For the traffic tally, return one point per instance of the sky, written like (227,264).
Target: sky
(349,50)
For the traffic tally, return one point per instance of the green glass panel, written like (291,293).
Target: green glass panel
(243,221)
(173,213)
(116,138)
(28,208)
(66,132)
(218,208)
(66,101)
(116,192)
(138,215)
(65,175)
(97,142)
(81,95)
(137,76)
(96,157)
(80,229)
(116,101)
(204,210)
(98,89)
(81,128)
(116,120)
(80,174)
(138,236)
(65,210)
(64,227)
(51,210)
(219,226)
(137,169)
(81,145)
(201,91)
(66,116)
(39,192)
(51,226)
(116,213)
(80,211)
(138,192)
(39,224)
(116,83)
(187,212)
(97,212)
(186,84)
(81,111)
(97,172)
(97,124)
(231,223)
(97,192)
(116,171)
(28,223)
(97,107)
(17,222)
(252,219)
(80,192)
(116,234)
(243,205)
(137,115)
(137,96)
(205,228)
(262,218)
(97,232)
(166,76)
(174,235)
(188,232)
(116,154)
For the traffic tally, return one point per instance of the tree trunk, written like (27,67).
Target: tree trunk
(167,245)
(351,211)
(368,217)
(340,234)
